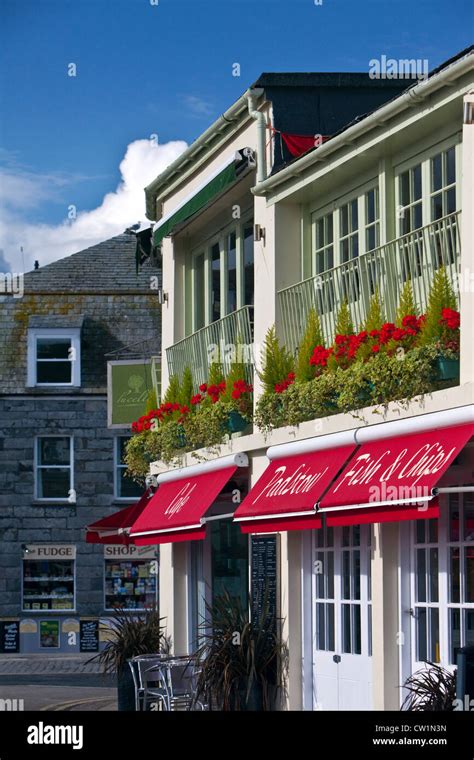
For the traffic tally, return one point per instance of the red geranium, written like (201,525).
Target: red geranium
(450,319)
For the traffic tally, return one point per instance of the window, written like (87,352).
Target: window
(125,487)
(461,573)
(427,591)
(54,357)
(221,278)
(325,595)
(131,577)
(410,195)
(443,184)
(372,214)
(53,466)
(48,577)
(324,244)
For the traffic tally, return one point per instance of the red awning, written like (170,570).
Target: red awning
(287,494)
(176,511)
(394,478)
(113,529)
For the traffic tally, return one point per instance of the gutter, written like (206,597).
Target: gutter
(259,117)
(407,99)
(198,146)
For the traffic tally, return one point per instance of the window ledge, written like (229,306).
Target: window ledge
(56,502)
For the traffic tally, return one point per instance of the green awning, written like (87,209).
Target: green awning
(202,197)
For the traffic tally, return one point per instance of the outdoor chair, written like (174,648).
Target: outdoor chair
(155,686)
(181,682)
(139,665)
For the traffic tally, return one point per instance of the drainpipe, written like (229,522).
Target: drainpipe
(252,97)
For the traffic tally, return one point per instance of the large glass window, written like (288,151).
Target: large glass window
(410,194)
(125,487)
(230,559)
(48,584)
(216,282)
(443,184)
(54,469)
(222,276)
(231,251)
(199,292)
(130,583)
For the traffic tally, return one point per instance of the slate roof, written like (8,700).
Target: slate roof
(108,266)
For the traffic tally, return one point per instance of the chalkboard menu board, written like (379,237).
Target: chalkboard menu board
(10,636)
(89,636)
(263,582)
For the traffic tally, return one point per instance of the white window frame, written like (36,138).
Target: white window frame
(424,158)
(60,332)
(37,467)
(117,467)
(334,207)
(72,609)
(205,247)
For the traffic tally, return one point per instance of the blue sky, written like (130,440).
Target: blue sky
(167,69)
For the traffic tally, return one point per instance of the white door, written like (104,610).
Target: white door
(342,669)
(438,604)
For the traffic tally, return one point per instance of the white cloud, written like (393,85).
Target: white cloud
(198,106)
(143,161)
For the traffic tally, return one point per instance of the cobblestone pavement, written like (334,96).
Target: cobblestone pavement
(32,664)
(65,698)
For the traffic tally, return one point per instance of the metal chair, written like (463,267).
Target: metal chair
(181,683)
(139,665)
(155,687)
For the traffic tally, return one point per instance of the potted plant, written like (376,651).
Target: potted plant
(242,662)
(433,688)
(130,634)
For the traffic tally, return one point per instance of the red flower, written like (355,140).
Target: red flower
(196,399)
(236,394)
(410,321)
(375,349)
(399,333)
(203,388)
(183,409)
(450,319)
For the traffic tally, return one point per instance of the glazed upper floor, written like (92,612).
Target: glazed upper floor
(377,204)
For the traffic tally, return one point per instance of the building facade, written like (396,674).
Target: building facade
(61,466)
(384,201)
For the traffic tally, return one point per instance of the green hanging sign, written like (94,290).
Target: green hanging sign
(128,386)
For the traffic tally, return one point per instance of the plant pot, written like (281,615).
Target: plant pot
(254,702)
(125,690)
(235,422)
(447,369)
(180,437)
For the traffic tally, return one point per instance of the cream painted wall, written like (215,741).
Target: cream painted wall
(467,250)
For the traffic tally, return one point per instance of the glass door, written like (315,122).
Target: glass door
(342,618)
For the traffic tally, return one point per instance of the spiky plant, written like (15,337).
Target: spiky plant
(186,391)
(151,401)
(172,393)
(312,337)
(406,304)
(131,634)
(237,656)
(433,688)
(277,362)
(441,297)
(344,324)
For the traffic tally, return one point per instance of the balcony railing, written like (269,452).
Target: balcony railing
(226,340)
(413,257)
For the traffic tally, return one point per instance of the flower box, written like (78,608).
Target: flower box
(235,422)
(447,369)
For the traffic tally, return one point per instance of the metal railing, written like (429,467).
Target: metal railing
(415,257)
(226,340)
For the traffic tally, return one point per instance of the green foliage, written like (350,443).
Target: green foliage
(216,374)
(441,296)
(344,325)
(186,391)
(133,634)
(242,662)
(173,441)
(406,304)
(207,427)
(311,338)
(277,362)
(151,402)
(375,315)
(140,451)
(173,391)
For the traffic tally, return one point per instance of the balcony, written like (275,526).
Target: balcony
(414,257)
(226,340)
